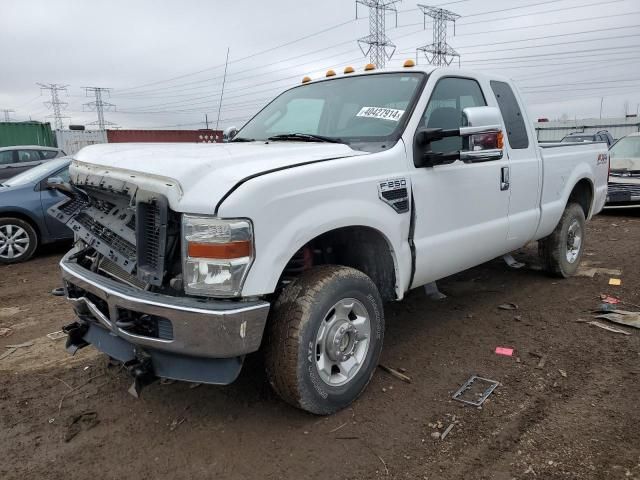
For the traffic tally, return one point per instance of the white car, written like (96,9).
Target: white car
(17,159)
(624,179)
(341,194)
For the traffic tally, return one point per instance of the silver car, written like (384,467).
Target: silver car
(15,160)
(624,176)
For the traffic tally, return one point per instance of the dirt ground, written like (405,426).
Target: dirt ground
(575,415)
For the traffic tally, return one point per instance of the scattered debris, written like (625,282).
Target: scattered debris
(20,345)
(512,262)
(506,351)
(562,372)
(56,335)
(176,422)
(518,318)
(84,421)
(615,281)
(473,388)
(58,292)
(347,438)
(606,327)
(584,271)
(508,306)
(5,332)
(431,291)
(338,428)
(446,432)
(436,435)
(541,363)
(395,373)
(7,353)
(609,299)
(630,319)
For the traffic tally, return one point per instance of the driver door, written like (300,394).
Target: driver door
(461,210)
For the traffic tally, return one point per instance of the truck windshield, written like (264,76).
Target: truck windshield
(363,108)
(627,147)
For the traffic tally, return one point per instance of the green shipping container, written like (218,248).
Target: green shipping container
(26,133)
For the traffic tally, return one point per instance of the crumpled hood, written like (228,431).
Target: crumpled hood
(194,177)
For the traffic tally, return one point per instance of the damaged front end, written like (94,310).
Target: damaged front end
(123,278)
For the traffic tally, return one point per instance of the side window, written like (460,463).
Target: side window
(6,157)
(47,154)
(444,109)
(510,110)
(28,156)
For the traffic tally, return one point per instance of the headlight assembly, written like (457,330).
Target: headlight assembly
(216,255)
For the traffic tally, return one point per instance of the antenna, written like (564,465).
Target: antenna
(99,105)
(55,104)
(377,45)
(439,52)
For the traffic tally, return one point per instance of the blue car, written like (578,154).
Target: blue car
(24,200)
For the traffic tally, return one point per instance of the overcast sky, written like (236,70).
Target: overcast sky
(566,55)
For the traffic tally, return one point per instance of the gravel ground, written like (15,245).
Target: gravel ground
(567,406)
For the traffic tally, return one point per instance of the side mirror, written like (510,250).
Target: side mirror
(229,133)
(481,133)
(53,183)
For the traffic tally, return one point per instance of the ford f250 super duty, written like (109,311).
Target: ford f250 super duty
(341,194)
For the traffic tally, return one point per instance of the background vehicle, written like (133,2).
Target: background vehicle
(24,200)
(14,160)
(341,194)
(578,137)
(624,177)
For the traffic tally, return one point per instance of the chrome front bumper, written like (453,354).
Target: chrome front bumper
(201,328)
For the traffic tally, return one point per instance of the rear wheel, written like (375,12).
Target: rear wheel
(561,251)
(325,337)
(18,240)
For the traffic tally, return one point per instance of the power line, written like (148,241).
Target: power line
(7,114)
(441,52)
(380,47)
(99,105)
(55,104)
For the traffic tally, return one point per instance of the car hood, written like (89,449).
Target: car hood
(194,177)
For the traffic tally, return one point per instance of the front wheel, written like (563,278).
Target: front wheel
(18,240)
(561,251)
(325,337)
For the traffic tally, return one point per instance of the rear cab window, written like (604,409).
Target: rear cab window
(48,154)
(511,114)
(6,157)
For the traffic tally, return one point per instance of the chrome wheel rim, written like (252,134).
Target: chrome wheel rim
(574,241)
(342,342)
(14,241)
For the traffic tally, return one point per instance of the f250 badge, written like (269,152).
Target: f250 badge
(394,193)
(602,158)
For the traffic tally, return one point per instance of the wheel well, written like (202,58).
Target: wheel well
(24,217)
(362,248)
(582,194)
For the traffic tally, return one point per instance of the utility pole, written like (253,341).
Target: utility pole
(99,105)
(377,45)
(224,80)
(7,114)
(601,102)
(439,52)
(206,120)
(55,104)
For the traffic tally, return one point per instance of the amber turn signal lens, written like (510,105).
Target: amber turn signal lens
(222,251)
(499,140)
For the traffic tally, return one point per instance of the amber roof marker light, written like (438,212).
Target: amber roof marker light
(349,70)
(409,63)
(306,79)
(369,66)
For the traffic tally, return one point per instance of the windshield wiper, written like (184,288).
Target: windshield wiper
(307,137)
(241,139)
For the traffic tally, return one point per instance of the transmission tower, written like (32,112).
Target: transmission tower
(439,52)
(99,105)
(377,45)
(55,104)
(7,114)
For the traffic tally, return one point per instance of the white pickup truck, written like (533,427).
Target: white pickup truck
(341,194)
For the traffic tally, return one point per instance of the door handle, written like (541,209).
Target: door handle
(504,178)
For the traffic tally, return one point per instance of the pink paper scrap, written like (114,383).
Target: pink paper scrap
(504,351)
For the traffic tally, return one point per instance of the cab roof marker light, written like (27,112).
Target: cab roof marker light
(349,70)
(331,73)
(409,63)
(369,66)
(306,79)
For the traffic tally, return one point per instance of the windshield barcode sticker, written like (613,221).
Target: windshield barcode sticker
(381,113)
